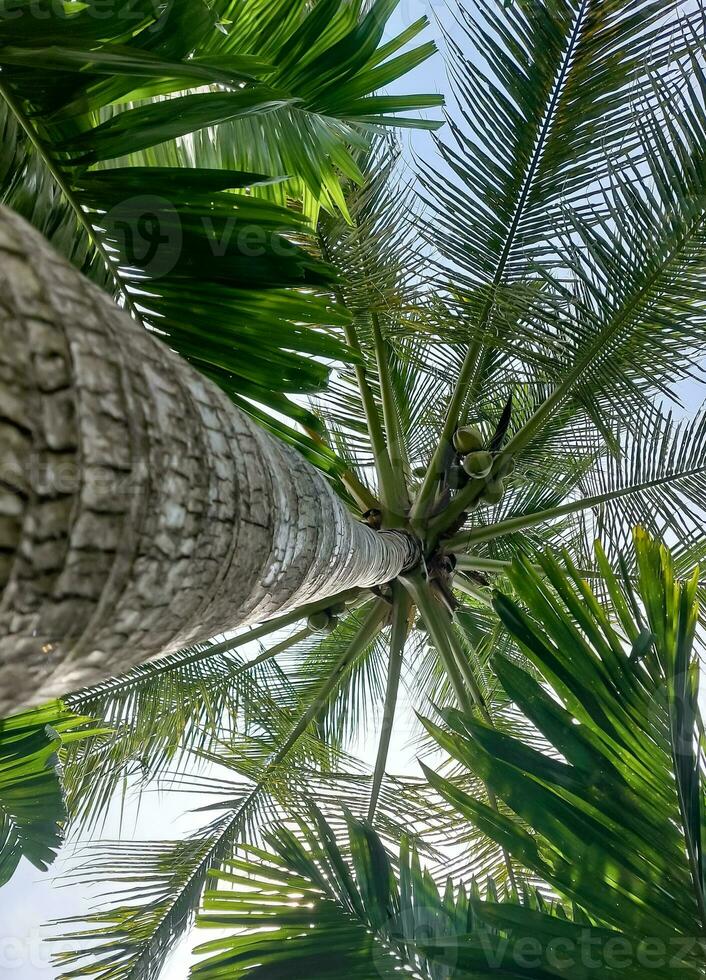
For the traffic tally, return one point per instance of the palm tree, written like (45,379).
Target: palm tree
(551,309)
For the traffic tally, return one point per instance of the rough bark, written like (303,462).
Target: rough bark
(140,511)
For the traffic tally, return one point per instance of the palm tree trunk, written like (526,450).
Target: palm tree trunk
(140,510)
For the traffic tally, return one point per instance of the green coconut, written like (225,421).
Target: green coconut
(478,464)
(506,466)
(467,439)
(319,621)
(337,609)
(457,478)
(493,492)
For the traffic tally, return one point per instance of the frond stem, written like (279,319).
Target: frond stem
(383,466)
(438,627)
(469,371)
(427,491)
(68,193)
(365,633)
(464,584)
(475,536)
(456,664)
(401,607)
(474,563)
(395,440)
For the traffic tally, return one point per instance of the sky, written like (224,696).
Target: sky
(31,900)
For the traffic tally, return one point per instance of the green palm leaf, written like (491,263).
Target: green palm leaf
(274,757)
(542,136)
(306,907)
(331,61)
(227,277)
(544,121)
(166,713)
(32,808)
(614,820)
(130,936)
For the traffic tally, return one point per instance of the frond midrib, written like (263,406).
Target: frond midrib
(630,309)
(471,370)
(67,192)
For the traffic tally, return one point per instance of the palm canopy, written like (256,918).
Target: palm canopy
(604,820)
(544,287)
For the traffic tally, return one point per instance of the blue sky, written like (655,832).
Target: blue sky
(429,77)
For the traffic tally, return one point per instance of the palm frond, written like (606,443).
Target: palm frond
(671,466)
(330,60)
(307,906)
(542,123)
(615,821)
(268,762)
(166,712)
(81,91)
(33,811)
(159,719)
(541,138)
(155,887)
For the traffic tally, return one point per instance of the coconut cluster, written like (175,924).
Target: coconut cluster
(475,462)
(326,620)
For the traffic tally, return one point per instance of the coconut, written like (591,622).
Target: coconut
(506,465)
(493,492)
(467,439)
(331,625)
(420,472)
(319,621)
(478,464)
(337,609)
(457,478)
